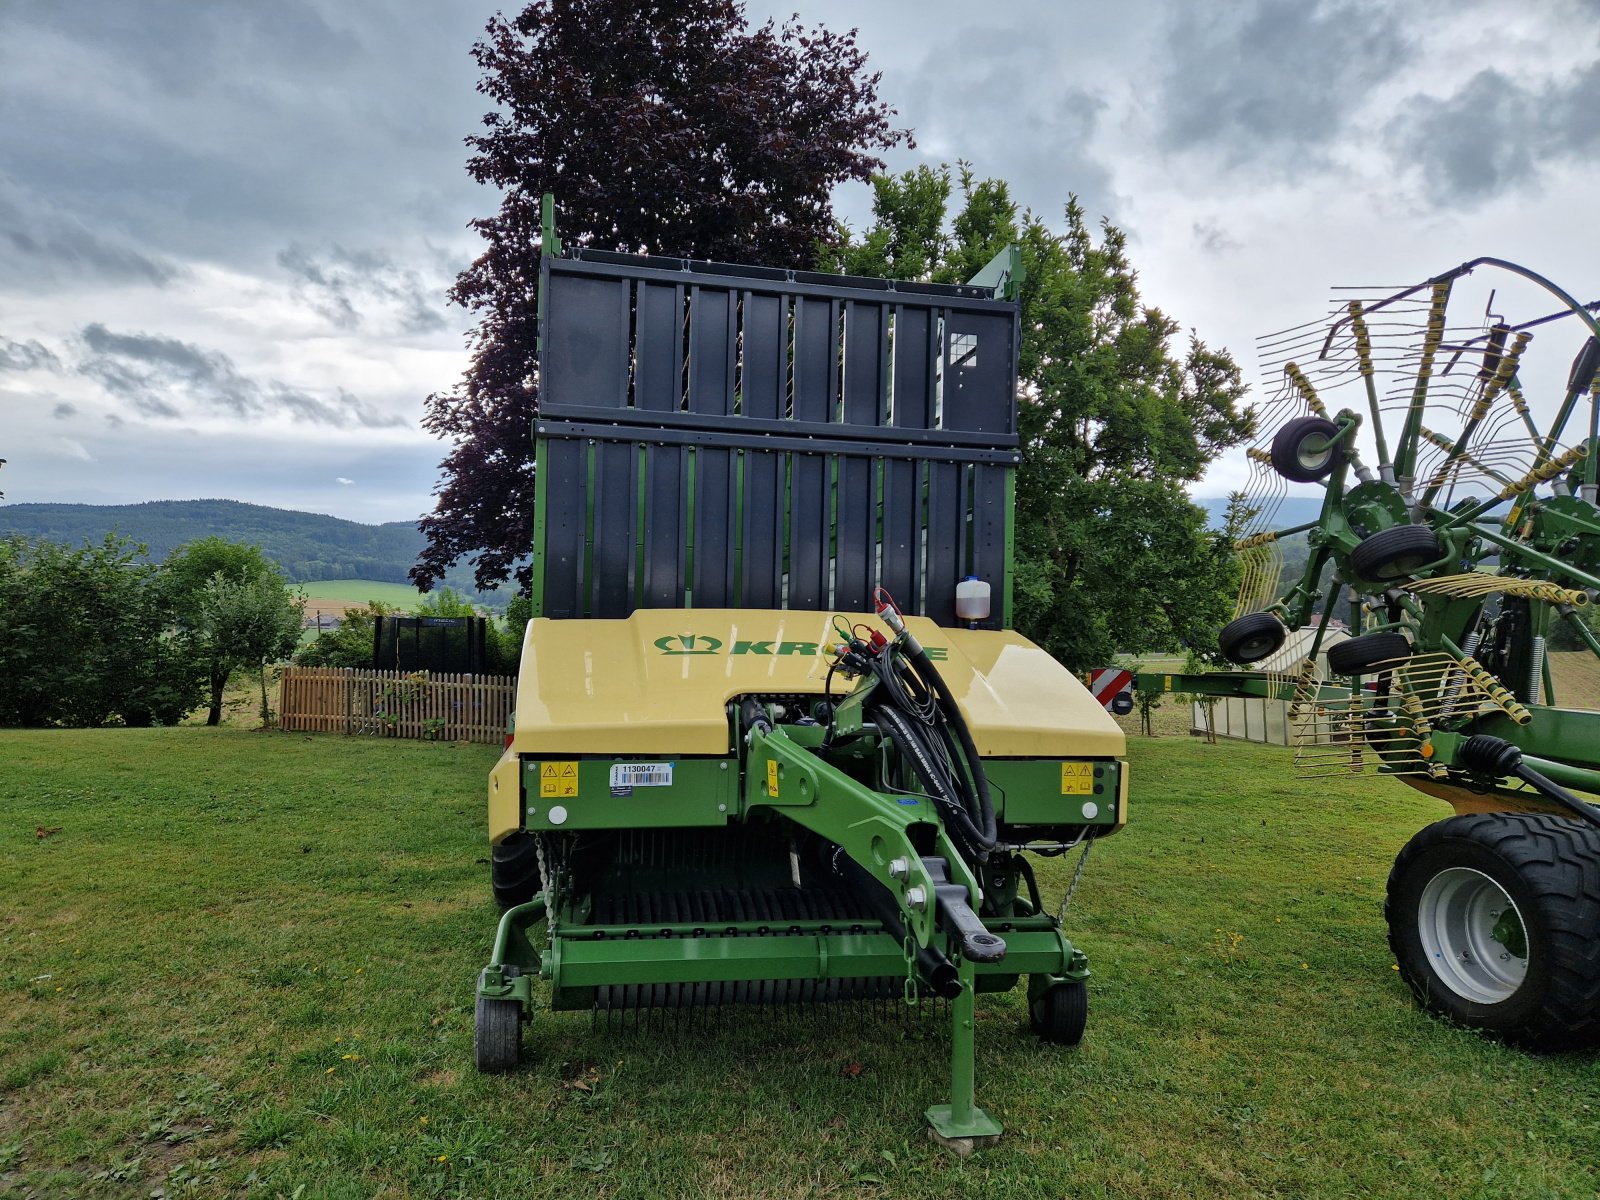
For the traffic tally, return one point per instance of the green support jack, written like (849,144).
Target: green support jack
(961,1125)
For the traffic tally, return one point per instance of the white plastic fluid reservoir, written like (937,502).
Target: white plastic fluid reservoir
(972,599)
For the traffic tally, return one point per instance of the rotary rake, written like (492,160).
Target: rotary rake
(1460,521)
(740,773)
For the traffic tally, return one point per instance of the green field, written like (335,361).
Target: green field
(359,591)
(244,966)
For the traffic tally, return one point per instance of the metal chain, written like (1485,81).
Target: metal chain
(1077,874)
(549,884)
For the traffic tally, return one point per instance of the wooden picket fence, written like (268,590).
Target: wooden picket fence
(430,705)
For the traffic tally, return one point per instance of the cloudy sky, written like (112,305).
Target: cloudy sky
(227,226)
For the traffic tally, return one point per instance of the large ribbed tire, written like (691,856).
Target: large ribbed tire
(1359,654)
(1061,1013)
(497,1035)
(1252,637)
(514,870)
(1304,449)
(1494,920)
(1396,553)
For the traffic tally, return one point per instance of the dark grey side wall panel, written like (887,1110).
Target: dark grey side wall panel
(720,436)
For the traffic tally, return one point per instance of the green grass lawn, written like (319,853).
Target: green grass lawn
(244,965)
(361,591)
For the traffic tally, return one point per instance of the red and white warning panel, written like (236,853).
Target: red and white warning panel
(1113,687)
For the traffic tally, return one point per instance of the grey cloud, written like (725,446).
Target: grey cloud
(1042,148)
(1213,238)
(1495,134)
(153,374)
(346,286)
(40,243)
(206,130)
(1267,82)
(63,411)
(27,356)
(182,48)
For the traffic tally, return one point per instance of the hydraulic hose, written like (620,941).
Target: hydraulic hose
(929,731)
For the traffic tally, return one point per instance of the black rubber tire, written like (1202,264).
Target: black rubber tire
(497,1035)
(1062,1012)
(1252,637)
(514,871)
(1396,553)
(1359,654)
(1292,459)
(1550,868)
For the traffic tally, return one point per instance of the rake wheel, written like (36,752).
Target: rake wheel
(1360,654)
(1252,637)
(1396,553)
(1304,450)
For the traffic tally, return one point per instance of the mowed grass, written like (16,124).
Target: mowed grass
(244,965)
(363,591)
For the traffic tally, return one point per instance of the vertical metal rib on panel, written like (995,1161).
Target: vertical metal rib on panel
(564,533)
(616,505)
(664,543)
(946,523)
(764,523)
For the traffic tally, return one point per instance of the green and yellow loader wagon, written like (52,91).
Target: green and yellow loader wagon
(775,741)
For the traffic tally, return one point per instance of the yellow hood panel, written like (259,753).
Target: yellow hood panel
(658,683)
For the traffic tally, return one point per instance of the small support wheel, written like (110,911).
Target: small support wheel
(1062,1012)
(1359,655)
(514,870)
(1252,637)
(497,1035)
(1396,553)
(1491,920)
(1305,450)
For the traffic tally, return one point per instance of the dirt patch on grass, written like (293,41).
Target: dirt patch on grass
(319,606)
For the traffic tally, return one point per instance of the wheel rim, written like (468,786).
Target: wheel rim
(1259,646)
(1473,935)
(1313,452)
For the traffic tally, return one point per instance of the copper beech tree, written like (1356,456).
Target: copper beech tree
(667,128)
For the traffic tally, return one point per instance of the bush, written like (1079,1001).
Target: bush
(88,635)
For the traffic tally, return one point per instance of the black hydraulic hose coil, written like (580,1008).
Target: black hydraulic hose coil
(971,807)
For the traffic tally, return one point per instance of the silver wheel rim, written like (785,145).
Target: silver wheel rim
(1314,451)
(1471,931)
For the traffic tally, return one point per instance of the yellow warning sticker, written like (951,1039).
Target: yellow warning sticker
(772,777)
(558,779)
(1077,779)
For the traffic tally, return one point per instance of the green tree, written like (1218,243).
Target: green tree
(86,636)
(445,602)
(190,574)
(1115,417)
(245,622)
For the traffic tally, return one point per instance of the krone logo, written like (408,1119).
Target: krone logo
(688,643)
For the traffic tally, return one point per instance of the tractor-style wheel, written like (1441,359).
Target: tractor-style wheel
(1304,450)
(1492,920)
(1396,553)
(1252,637)
(497,1035)
(1358,655)
(514,870)
(1060,1014)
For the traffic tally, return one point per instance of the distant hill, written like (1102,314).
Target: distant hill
(1293,510)
(306,545)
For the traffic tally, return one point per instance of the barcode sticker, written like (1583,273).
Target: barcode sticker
(632,775)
